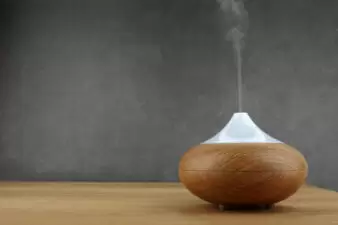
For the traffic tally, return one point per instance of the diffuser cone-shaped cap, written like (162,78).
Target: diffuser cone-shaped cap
(241,129)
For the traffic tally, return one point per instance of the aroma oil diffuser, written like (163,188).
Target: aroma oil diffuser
(242,166)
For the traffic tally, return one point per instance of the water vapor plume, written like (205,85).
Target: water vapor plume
(239,22)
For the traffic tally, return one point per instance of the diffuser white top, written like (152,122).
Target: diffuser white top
(241,129)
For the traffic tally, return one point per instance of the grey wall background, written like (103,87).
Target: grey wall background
(118,90)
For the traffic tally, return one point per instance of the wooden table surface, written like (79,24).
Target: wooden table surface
(147,204)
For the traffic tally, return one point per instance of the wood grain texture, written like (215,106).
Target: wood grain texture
(144,204)
(243,174)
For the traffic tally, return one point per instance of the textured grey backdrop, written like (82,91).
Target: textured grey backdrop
(119,89)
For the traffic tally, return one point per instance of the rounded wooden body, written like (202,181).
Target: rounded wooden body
(243,173)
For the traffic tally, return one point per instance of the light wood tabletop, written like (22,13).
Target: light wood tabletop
(148,204)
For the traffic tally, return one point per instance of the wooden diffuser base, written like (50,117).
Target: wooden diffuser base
(243,173)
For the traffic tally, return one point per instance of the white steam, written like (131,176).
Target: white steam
(238,16)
